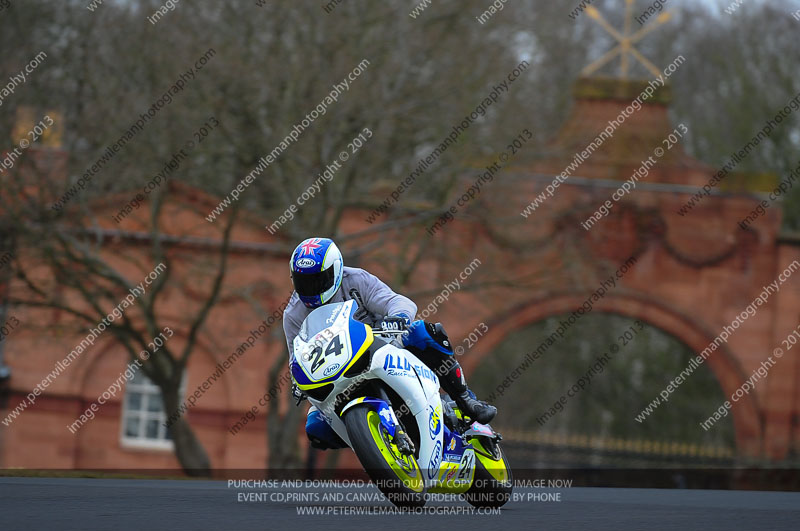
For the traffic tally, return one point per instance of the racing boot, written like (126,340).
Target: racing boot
(455,385)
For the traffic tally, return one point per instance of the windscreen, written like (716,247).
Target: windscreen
(320,319)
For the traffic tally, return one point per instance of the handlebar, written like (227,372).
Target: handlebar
(379,332)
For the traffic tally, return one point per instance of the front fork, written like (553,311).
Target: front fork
(389,421)
(404,443)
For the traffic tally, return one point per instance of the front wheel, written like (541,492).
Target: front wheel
(396,475)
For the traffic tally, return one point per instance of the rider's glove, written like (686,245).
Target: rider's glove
(297,394)
(396,323)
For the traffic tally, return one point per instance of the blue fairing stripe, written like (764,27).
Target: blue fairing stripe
(358,332)
(353,310)
(299,376)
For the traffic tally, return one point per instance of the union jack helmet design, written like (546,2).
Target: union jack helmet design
(317,268)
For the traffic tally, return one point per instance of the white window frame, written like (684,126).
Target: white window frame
(147,389)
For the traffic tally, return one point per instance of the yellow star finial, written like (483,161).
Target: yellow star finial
(626,41)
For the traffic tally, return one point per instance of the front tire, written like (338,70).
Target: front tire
(397,476)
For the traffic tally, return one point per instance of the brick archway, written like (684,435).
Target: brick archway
(723,363)
(696,268)
(100,367)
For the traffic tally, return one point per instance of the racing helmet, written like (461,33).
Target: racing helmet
(317,268)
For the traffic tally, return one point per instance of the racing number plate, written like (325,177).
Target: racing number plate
(326,358)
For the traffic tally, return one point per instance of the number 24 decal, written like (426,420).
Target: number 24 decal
(335,348)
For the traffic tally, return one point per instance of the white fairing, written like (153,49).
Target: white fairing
(419,386)
(413,381)
(308,351)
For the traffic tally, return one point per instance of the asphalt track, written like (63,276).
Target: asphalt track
(118,504)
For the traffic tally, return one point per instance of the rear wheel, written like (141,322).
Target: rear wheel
(493,482)
(396,475)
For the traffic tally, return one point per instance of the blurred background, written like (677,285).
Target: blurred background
(134,120)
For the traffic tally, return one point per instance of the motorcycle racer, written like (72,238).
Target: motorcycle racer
(320,277)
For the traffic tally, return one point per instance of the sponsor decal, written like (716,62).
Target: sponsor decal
(335,314)
(306,262)
(451,454)
(434,422)
(387,414)
(396,362)
(425,372)
(401,363)
(436,459)
(332,369)
(452,458)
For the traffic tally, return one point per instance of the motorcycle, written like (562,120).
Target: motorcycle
(385,405)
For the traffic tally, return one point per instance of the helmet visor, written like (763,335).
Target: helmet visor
(312,284)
